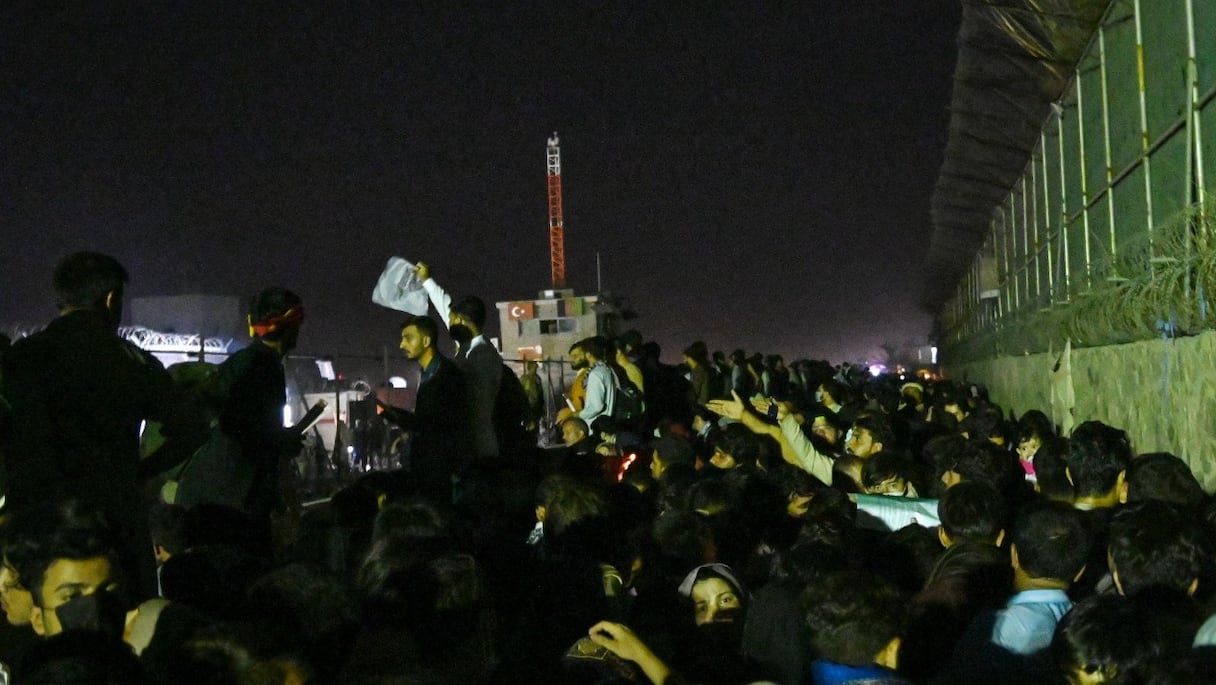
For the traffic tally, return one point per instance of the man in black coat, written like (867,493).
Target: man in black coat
(439,424)
(77,394)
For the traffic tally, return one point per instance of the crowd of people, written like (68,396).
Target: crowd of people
(729,519)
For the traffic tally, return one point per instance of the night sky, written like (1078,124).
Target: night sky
(756,175)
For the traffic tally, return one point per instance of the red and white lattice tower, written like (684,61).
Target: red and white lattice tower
(557,235)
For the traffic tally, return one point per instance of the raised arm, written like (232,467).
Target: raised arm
(438,296)
(795,447)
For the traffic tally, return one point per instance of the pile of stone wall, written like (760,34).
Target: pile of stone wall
(1162,392)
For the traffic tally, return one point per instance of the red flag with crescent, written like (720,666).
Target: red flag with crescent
(521,310)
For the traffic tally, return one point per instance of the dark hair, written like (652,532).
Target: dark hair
(1163,476)
(69,529)
(596,346)
(1049,469)
(314,606)
(740,443)
(425,325)
(697,352)
(710,496)
(166,523)
(682,538)
(792,481)
(1051,541)
(984,423)
(972,511)
(84,279)
(853,616)
(271,304)
(1035,424)
(888,465)
(836,389)
(416,520)
(1154,543)
(1104,635)
(1097,453)
(879,428)
(673,451)
(568,501)
(988,463)
(471,308)
(942,451)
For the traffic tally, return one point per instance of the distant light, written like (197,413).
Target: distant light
(933,354)
(397,382)
(326,369)
(287,416)
(876,370)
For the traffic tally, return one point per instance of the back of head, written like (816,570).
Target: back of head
(972,511)
(84,279)
(674,451)
(988,463)
(1050,469)
(985,423)
(1097,454)
(570,502)
(273,312)
(698,352)
(1163,476)
(471,308)
(853,616)
(1051,541)
(1155,543)
(1103,639)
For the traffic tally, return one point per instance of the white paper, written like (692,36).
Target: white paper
(400,289)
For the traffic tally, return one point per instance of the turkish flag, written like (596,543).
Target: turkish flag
(520,310)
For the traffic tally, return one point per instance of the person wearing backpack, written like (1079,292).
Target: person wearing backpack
(601,383)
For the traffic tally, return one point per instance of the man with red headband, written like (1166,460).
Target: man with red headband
(241,467)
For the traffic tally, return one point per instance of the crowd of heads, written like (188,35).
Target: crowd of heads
(680,544)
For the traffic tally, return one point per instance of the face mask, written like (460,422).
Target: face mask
(461,334)
(101,611)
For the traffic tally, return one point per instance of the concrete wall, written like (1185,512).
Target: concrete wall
(1162,392)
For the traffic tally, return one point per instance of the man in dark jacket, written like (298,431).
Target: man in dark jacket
(439,420)
(78,393)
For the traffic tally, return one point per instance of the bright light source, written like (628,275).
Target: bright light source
(287,416)
(625,464)
(875,370)
(933,355)
(397,382)
(326,368)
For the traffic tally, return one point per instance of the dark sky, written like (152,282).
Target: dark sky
(757,175)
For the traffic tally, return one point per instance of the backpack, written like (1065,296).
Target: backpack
(628,406)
